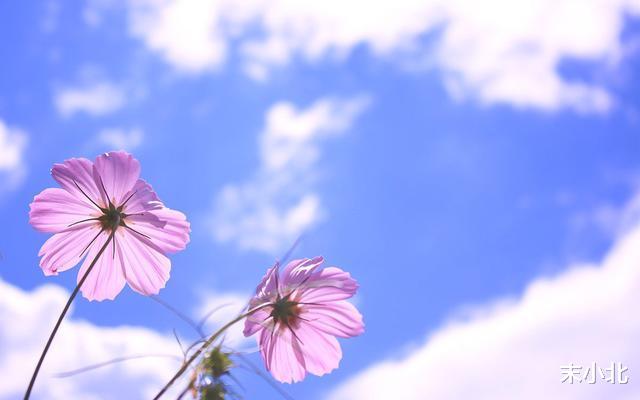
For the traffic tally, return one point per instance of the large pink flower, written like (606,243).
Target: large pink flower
(307,310)
(99,199)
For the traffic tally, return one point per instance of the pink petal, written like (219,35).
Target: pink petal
(142,198)
(167,228)
(339,318)
(256,321)
(322,352)
(78,171)
(298,271)
(106,279)
(145,268)
(119,172)
(54,210)
(330,284)
(64,250)
(268,287)
(282,355)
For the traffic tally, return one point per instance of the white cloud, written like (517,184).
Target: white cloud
(496,51)
(220,308)
(120,139)
(612,219)
(27,318)
(514,349)
(278,203)
(186,33)
(13,143)
(96,98)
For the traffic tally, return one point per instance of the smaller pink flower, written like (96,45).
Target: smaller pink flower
(307,310)
(100,199)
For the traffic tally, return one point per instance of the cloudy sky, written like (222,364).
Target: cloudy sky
(474,165)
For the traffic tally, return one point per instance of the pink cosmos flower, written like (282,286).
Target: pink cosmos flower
(99,199)
(307,310)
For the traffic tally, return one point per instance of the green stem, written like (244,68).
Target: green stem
(204,346)
(61,317)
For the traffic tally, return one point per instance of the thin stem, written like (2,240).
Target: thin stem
(198,329)
(186,389)
(209,314)
(177,312)
(286,256)
(266,378)
(67,374)
(61,317)
(206,344)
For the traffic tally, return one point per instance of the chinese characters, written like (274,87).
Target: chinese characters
(615,373)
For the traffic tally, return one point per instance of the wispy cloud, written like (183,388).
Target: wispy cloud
(271,209)
(51,16)
(492,51)
(13,143)
(609,218)
(514,349)
(95,98)
(120,139)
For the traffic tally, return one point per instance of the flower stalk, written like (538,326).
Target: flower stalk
(205,345)
(62,315)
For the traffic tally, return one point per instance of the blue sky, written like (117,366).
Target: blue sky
(448,158)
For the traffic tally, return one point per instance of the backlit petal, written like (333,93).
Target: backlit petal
(106,279)
(141,198)
(283,357)
(145,268)
(298,271)
(55,209)
(168,229)
(339,318)
(119,172)
(321,351)
(76,177)
(64,250)
(256,321)
(267,289)
(330,284)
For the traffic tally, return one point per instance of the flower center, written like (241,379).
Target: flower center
(285,311)
(112,218)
